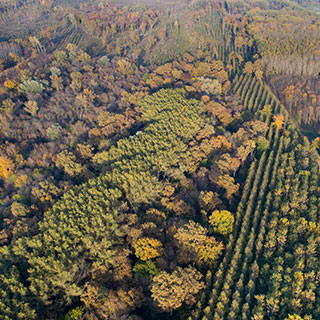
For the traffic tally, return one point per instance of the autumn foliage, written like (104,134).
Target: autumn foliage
(6,167)
(152,160)
(147,248)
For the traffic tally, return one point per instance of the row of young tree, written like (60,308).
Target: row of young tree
(253,278)
(226,297)
(288,264)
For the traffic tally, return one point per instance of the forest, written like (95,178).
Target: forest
(159,160)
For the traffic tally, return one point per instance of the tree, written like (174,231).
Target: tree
(222,221)
(170,291)
(125,67)
(85,100)
(84,151)
(278,120)
(247,148)
(11,84)
(258,69)
(259,127)
(14,296)
(195,245)
(293,317)
(262,144)
(258,73)
(227,163)
(145,269)
(210,86)
(46,192)
(17,209)
(209,200)
(190,237)
(54,132)
(56,82)
(228,183)
(55,71)
(248,68)
(103,303)
(31,86)
(6,167)
(210,251)
(147,248)
(67,161)
(31,107)
(75,314)
(206,132)
(272,305)
(7,107)
(316,143)
(36,44)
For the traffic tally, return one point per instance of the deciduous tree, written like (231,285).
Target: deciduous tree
(222,221)
(148,248)
(170,291)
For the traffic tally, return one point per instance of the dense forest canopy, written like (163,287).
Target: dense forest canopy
(159,159)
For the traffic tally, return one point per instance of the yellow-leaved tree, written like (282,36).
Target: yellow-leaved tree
(278,121)
(148,248)
(6,166)
(222,221)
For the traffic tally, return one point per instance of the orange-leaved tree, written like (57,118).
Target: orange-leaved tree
(6,167)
